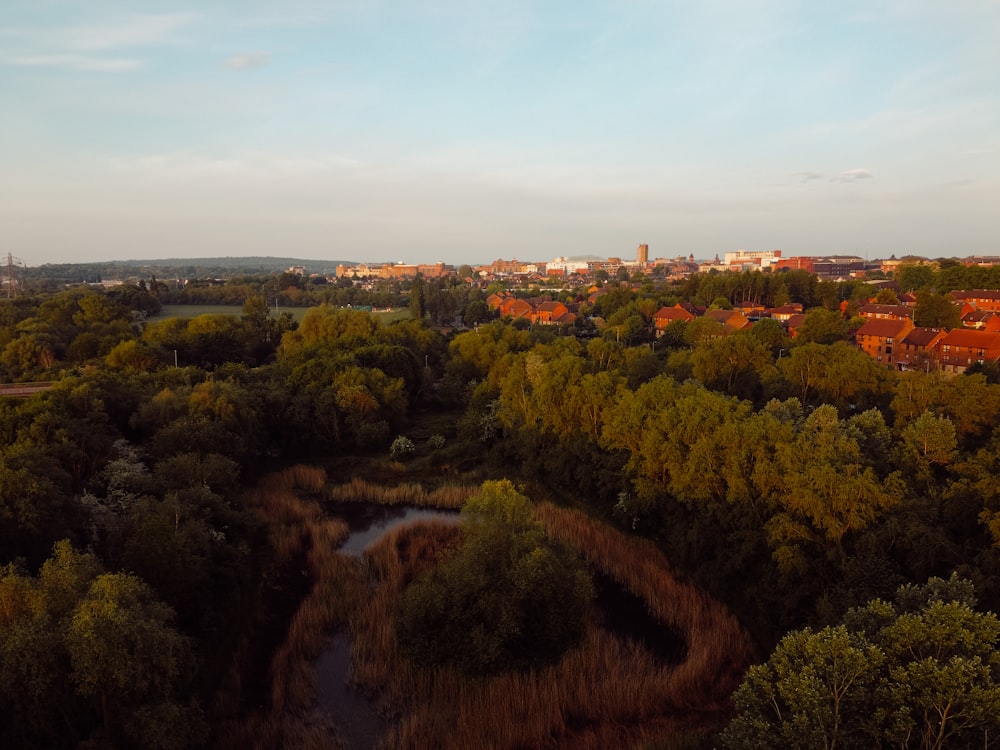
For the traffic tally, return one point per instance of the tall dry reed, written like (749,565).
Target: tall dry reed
(605,693)
(299,530)
(407,493)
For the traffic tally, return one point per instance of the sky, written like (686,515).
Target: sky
(464,131)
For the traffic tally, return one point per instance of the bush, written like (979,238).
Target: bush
(507,598)
(436,442)
(401,448)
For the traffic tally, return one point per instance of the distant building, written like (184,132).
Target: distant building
(886,312)
(642,255)
(749,259)
(981,299)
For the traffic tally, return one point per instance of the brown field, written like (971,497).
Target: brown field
(605,693)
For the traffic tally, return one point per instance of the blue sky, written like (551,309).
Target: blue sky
(465,131)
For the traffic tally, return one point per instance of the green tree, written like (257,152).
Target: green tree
(936,311)
(913,276)
(813,692)
(732,363)
(126,656)
(416,304)
(920,672)
(822,327)
(507,598)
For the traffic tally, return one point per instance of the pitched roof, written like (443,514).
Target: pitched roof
(720,315)
(898,311)
(965,294)
(884,328)
(672,313)
(970,338)
(922,336)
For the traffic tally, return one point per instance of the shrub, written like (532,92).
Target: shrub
(508,598)
(401,448)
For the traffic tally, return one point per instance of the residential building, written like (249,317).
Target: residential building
(981,320)
(981,299)
(886,312)
(667,315)
(733,320)
(880,339)
(785,312)
(919,349)
(961,348)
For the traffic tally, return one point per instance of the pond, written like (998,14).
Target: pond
(351,711)
(355,716)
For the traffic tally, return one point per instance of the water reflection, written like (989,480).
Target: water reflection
(357,720)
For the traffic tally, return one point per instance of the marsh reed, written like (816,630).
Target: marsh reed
(408,493)
(605,693)
(299,532)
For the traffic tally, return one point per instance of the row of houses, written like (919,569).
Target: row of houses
(535,310)
(888,334)
(903,346)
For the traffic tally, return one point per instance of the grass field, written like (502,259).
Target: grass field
(193,311)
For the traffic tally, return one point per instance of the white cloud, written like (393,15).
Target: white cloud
(853,175)
(248,61)
(89,47)
(131,31)
(76,62)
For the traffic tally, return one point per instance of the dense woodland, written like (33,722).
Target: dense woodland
(847,513)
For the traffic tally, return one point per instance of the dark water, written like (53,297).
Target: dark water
(358,723)
(351,711)
(627,616)
(369,522)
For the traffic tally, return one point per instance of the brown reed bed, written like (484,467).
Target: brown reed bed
(298,531)
(359,490)
(605,693)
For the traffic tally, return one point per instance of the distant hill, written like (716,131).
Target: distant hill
(175,268)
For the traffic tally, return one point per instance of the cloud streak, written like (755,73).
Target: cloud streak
(853,175)
(87,63)
(248,61)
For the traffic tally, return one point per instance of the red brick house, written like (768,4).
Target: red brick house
(549,312)
(784,312)
(515,308)
(793,323)
(733,320)
(980,320)
(881,339)
(961,348)
(667,315)
(981,299)
(919,349)
(886,312)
